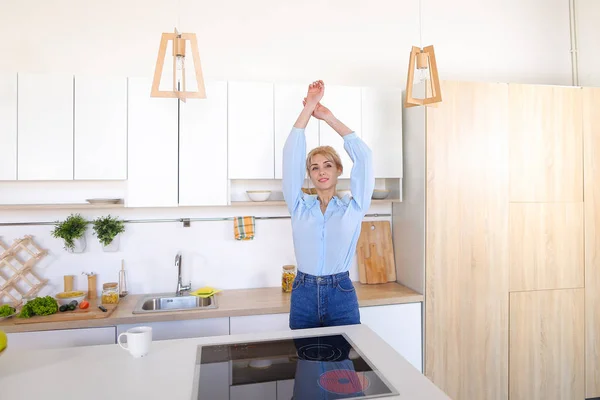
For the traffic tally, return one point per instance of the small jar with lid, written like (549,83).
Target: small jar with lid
(110,293)
(288,274)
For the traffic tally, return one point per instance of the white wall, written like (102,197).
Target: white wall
(347,42)
(340,41)
(588,36)
(211,255)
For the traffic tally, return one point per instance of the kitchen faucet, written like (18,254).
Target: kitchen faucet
(180,287)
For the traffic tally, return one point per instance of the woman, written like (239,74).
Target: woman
(325,228)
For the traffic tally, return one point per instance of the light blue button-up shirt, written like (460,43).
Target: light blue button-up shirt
(325,243)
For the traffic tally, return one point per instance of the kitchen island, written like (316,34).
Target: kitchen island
(169,370)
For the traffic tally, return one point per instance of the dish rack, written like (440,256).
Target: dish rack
(18,280)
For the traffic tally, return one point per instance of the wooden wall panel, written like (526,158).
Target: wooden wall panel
(547,345)
(466,328)
(591,107)
(546,246)
(545,133)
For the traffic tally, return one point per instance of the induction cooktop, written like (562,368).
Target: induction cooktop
(307,368)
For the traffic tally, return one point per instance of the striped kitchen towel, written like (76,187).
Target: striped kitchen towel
(243,228)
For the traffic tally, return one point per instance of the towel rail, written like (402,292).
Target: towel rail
(186,221)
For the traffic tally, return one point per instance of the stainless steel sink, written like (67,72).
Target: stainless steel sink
(170,302)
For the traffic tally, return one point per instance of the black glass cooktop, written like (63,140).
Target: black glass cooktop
(311,368)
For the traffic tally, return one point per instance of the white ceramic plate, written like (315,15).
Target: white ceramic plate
(103,201)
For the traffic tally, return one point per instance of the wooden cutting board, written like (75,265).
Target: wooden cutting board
(375,253)
(93,312)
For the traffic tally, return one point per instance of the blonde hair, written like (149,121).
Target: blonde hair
(329,153)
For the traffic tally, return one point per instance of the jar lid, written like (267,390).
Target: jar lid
(110,285)
(289,267)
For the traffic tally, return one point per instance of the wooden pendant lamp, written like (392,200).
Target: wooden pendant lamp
(424,59)
(179,45)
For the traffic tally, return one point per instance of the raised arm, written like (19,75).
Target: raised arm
(294,149)
(362,179)
(294,152)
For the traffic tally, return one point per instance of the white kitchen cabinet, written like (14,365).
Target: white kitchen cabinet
(8,127)
(213,383)
(251,132)
(152,148)
(100,128)
(345,103)
(288,105)
(260,323)
(400,326)
(60,338)
(263,391)
(382,129)
(45,127)
(183,329)
(285,389)
(203,149)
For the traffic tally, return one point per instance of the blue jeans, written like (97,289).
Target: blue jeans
(319,301)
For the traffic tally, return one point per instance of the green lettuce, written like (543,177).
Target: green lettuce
(39,306)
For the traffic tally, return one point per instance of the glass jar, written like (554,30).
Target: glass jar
(288,274)
(110,293)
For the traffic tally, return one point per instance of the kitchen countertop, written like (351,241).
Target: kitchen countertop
(167,372)
(231,303)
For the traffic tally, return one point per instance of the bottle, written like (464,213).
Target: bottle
(110,293)
(122,280)
(288,274)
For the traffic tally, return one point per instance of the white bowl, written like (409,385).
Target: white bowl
(380,194)
(70,299)
(258,195)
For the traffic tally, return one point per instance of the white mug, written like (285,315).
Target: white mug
(138,340)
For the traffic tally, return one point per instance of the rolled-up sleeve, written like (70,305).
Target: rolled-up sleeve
(294,152)
(362,179)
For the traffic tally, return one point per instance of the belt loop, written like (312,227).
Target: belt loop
(334,280)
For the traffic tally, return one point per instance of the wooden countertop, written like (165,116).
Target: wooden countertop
(231,303)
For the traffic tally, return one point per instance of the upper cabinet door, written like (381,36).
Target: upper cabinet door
(251,135)
(345,103)
(152,148)
(8,127)
(382,129)
(545,142)
(45,130)
(288,105)
(100,128)
(203,149)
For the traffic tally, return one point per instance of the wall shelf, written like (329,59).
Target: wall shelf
(282,203)
(58,206)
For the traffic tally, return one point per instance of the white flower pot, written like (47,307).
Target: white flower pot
(112,246)
(79,245)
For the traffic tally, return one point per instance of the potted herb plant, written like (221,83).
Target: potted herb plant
(72,232)
(108,229)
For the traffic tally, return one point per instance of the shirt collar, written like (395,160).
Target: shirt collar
(311,199)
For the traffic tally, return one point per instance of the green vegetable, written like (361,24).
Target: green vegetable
(63,308)
(71,307)
(74,303)
(6,310)
(107,228)
(39,306)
